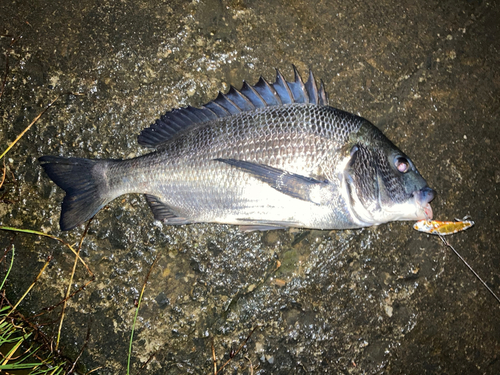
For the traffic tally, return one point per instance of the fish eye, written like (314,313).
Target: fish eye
(402,164)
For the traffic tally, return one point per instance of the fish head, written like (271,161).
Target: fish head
(382,183)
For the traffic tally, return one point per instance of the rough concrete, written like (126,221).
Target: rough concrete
(380,300)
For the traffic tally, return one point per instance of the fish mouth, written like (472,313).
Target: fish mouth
(423,198)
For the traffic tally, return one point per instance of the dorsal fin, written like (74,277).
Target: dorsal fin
(249,98)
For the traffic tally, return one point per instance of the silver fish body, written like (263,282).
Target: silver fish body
(266,157)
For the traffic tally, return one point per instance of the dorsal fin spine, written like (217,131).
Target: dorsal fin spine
(322,94)
(240,100)
(312,89)
(193,113)
(199,113)
(280,84)
(208,111)
(300,83)
(227,103)
(249,90)
(263,87)
(218,109)
(181,117)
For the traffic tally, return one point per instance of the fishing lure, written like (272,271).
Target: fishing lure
(442,227)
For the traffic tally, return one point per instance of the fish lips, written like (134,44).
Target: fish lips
(423,197)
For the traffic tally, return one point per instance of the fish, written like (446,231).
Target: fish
(267,156)
(442,227)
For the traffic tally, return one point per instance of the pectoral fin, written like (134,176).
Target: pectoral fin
(288,183)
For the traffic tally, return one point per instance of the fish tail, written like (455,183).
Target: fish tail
(85,184)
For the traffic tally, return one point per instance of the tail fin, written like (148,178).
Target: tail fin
(85,185)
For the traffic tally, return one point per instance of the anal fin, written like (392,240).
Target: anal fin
(249,225)
(257,228)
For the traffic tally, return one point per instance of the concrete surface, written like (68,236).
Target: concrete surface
(380,300)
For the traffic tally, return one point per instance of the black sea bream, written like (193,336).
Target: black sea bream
(265,157)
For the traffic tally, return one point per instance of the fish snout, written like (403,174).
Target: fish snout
(426,194)
(423,197)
